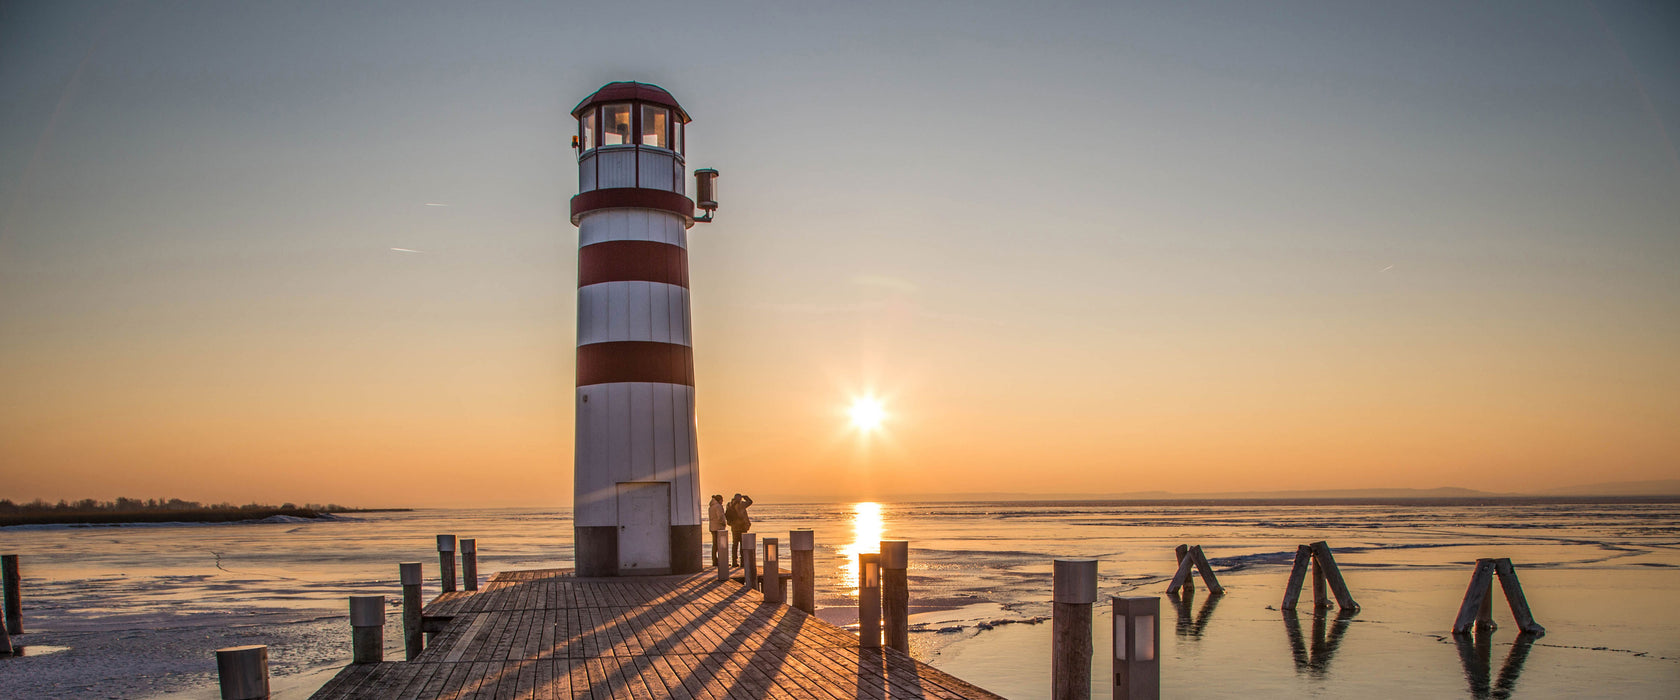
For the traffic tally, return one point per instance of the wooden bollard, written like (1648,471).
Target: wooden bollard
(772,586)
(243,672)
(446,561)
(749,560)
(367,629)
(720,553)
(414,640)
(1074,591)
(895,593)
(1137,648)
(469,564)
(803,542)
(869,600)
(13,583)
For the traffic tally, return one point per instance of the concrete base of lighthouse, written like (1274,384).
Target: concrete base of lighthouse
(596,552)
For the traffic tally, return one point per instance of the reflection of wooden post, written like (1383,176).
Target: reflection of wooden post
(895,593)
(869,600)
(5,641)
(413,639)
(13,583)
(803,542)
(469,564)
(1297,574)
(446,561)
(749,560)
(720,544)
(367,629)
(243,672)
(1074,590)
(1333,574)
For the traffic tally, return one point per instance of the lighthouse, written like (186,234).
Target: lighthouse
(636,482)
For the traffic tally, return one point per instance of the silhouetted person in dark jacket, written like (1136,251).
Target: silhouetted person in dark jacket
(739,522)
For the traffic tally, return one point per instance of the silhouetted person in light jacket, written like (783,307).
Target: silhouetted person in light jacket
(715,522)
(739,522)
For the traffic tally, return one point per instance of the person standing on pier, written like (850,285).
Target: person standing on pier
(715,522)
(739,522)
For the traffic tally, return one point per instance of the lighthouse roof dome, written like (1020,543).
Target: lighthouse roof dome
(624,91)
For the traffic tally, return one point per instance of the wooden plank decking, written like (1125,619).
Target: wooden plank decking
(547,635)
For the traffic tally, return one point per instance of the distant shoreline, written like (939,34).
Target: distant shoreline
(202,515)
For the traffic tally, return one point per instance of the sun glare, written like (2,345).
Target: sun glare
(867,414)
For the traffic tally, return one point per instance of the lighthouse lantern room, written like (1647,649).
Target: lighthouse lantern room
(636,487)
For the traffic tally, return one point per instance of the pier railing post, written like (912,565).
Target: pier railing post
(413,639)
(772,571)
(749,560)
(803,542)
(367,629)
(869,600)
(13,583)
(720,553)
(243,672)
(1074,591)
(469,564)
(1137,648)
(895,592)
(446,561)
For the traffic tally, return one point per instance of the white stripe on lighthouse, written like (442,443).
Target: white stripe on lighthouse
(634,431)
(646,311)
(631,225)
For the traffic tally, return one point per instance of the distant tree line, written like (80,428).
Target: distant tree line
(127,510)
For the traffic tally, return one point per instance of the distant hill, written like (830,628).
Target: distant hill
(1655,487)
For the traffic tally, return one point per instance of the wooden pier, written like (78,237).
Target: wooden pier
(548,635)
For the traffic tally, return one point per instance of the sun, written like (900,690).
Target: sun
(867,413)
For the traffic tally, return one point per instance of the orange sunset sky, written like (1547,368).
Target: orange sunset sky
(268,253)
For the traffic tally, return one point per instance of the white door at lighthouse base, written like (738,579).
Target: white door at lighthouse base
(644,526)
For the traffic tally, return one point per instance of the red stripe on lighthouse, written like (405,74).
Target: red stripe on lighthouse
(635,361)
(632,261)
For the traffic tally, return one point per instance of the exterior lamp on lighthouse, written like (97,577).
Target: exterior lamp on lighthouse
(1137,648)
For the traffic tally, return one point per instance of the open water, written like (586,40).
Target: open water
(137,611)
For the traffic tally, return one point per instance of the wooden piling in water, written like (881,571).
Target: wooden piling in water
(1333,575)
(413,636)
(803,542)
(1320,585)
(1297,574)
(1514,595)
(5,639)
(446,561)
(1206,570)
(367,629)
(13,583)
(469,564)
(1073,591)
(242,672)
(1189,584)
(895,593)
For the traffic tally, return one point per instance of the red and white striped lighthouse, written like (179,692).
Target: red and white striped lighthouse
(636,484)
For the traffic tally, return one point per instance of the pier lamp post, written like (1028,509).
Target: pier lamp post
(720,552)
(749,557)
(772,570)
(869,600)
(1137,648)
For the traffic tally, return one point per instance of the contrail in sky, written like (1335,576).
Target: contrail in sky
(407,250)
(435,204)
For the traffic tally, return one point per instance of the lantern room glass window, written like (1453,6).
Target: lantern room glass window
(656,126)
(616,122)
(588,135)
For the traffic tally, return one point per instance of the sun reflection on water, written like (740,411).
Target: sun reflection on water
(866,537)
